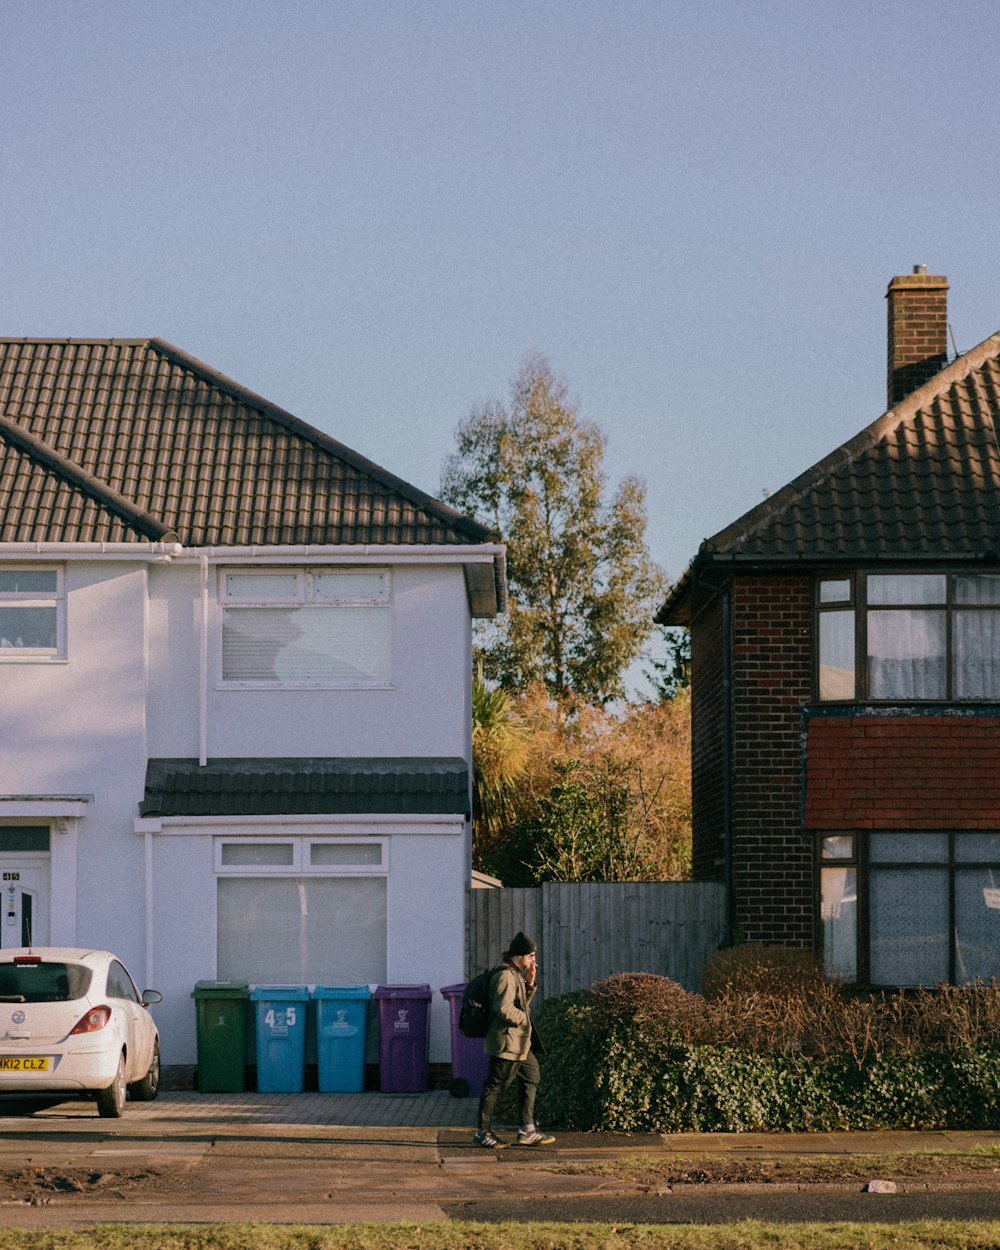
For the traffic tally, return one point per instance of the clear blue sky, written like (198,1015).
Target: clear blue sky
(368,211)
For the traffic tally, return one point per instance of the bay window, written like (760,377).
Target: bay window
(301,910)
(914,637)
(910,908)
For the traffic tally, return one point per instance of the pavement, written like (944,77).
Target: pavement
(314,1158)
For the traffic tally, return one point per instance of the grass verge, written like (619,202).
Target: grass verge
(746,1235)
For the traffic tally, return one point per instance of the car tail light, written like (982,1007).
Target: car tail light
(94,1020)
(27,959)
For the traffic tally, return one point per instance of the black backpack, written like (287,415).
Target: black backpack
(474,1017)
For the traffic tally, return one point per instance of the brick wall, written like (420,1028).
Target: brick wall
(876,771)
(708,754)
(772,681)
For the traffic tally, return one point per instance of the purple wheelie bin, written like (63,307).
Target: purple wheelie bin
(469,1061)
(404,1013)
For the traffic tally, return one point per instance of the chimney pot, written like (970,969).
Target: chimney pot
(917,331)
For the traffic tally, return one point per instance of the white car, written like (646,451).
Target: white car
(73,1021)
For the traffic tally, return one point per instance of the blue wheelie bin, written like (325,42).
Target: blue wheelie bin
(341,1034)
(280,1028)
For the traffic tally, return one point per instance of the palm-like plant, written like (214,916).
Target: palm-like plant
(499,758)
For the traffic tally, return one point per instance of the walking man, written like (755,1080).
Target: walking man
(512,1043)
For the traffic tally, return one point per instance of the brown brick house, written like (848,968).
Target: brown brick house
(845,638)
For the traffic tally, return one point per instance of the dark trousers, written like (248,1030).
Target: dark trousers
(501,1074)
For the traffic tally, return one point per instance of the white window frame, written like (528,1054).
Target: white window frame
(305,596)
(36,599)
(301,864)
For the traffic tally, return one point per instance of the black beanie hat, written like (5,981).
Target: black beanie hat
(521,944)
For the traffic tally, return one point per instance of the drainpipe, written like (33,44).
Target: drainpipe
(203,669)
(727,743)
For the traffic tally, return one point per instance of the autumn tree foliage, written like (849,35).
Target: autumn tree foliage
(583,586)
(605,796)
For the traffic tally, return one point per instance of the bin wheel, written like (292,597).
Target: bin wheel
(459,1087)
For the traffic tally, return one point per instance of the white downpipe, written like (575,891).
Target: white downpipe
(150,927)
(203,669)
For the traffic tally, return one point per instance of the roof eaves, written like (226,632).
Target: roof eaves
(47,456)
(471,529)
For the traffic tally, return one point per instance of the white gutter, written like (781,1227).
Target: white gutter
(87,551)
(160,824)
(398,553)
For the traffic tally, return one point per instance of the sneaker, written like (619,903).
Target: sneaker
(489,1140)
(533,1138)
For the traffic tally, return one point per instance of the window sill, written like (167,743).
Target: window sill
(302,685)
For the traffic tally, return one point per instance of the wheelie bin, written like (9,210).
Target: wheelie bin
(341,1034)
(404,1031)
(280,1029)
(221,1008)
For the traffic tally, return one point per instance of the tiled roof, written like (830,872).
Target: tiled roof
(271,787)
(125,440)
(921,482)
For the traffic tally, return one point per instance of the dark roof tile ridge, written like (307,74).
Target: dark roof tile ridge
(761,514)
(41,341)
(37,449)
(451,516)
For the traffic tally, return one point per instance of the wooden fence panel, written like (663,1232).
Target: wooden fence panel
(589,930)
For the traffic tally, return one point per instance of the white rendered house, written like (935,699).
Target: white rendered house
(234,686)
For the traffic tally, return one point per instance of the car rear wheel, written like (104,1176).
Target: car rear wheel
(147,1089)
(111,1101)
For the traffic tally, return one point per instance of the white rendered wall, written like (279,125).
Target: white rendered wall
(425,917)
(78,727)
(128,692)
(424,713)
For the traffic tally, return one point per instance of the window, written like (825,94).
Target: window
(32,614)
(120,984)
(305,627)
(302,910)
(910,908)
(909,636)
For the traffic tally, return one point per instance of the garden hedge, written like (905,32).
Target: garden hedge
(630,1074)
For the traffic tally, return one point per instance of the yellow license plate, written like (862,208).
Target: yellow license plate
(23,1063)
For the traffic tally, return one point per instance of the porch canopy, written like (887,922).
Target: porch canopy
(292,786)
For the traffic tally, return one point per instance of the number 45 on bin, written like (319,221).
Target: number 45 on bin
(276,1020)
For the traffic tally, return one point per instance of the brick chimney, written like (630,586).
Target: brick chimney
(918,330)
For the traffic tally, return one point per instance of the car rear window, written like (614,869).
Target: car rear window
(43,982)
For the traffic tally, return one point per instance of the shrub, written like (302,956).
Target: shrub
(638,1053)
(755,968)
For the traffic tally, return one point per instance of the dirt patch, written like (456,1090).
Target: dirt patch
(37,1186)
(943,1169)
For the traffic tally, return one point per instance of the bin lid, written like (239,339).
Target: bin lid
(453,991)
(402,991)
(279,993)
(341,991)
(220,989)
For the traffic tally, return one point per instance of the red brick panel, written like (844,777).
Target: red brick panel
(708,745)
(772,680)
(903,772)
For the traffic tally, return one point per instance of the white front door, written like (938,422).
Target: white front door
(24,896)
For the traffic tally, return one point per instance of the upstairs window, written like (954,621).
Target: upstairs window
(915,637)
(305,627)
(32,614)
